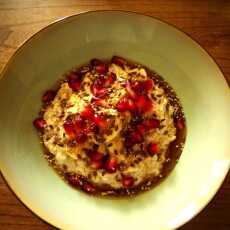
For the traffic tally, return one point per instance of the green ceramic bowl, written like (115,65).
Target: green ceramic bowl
(183,63)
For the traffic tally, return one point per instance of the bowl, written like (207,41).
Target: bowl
(198,81)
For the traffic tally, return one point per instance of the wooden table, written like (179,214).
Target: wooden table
(208,22)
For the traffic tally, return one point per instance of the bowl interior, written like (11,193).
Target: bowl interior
(74,41)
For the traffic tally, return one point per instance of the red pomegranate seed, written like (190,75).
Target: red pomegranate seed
(79,124)
(89,188)
(122,105)
(70,129)
(88,112)
(141,129)
(99,121)
(151,124)
(153,148)
(180,124)
(130,91)
(100,102)
(74,85)
(99,82)
(144,104)
(98,90)
(140,102)
(48,96)
(111,165)
(148,106)
(87,130)
(99,65)
(99,86)
(136,137)
(118,61)
(39,123)
(110,79)
(95,155)
(73,76)
(125,105)
(96,158)
(74,180)
(90,128)
(131,106)
(127,181)
(101,68)
(98,164)
(74,81)
(136,86)
(81,138)
(148,84)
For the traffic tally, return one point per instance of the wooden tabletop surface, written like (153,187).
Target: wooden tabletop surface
(207,21)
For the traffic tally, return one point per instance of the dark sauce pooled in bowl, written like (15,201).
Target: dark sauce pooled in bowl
(112,127)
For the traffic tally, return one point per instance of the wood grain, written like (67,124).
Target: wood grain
(208,22)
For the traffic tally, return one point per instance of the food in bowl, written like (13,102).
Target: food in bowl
(112,127)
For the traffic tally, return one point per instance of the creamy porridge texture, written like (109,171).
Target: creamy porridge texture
(112,127)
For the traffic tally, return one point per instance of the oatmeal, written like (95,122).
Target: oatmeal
(112,128)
